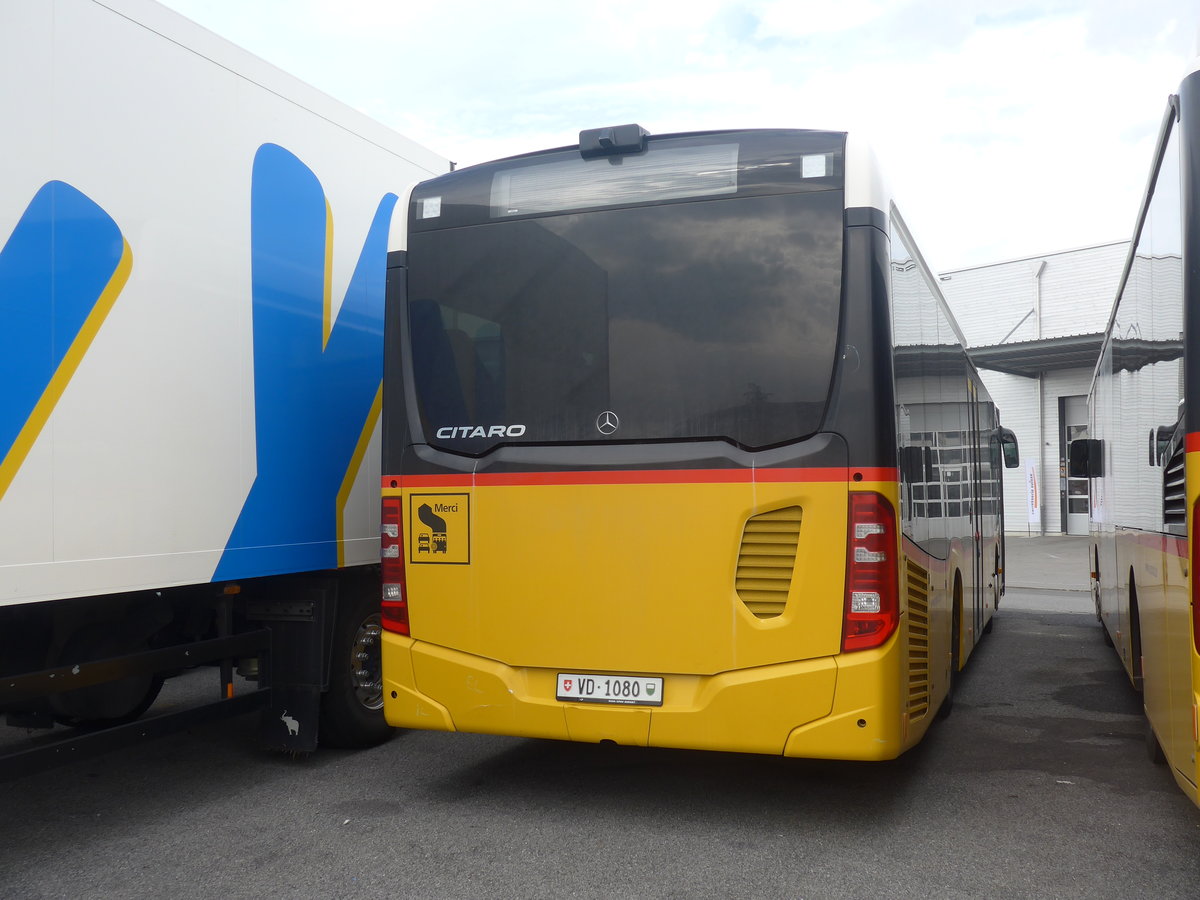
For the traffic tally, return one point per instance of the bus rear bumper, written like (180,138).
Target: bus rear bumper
(868,720)
(811,708)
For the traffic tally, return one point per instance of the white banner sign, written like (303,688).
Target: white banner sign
(1033,499)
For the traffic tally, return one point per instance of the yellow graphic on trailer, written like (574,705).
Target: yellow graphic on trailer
(440,528)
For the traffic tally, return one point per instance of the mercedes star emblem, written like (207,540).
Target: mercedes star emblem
(607,422)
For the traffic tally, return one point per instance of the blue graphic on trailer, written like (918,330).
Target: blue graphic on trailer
(313,398)
(60,273)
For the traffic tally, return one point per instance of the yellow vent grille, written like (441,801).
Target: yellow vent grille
(766,560)
(917,585)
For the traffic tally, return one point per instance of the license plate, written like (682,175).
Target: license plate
(627,690)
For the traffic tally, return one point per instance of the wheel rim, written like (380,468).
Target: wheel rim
(366,663)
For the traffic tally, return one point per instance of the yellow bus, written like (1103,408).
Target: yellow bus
(1143,450)
(682,448)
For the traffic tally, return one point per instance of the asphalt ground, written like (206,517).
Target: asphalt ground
(1037,785)
(1056,562)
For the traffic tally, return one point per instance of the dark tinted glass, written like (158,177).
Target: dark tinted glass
(716,318)
(673,167)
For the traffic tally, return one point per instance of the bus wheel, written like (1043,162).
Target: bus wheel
(1099,616)
(1153,748)
(1135,635)
(947,706)
(352,708)
(1096,583)
(987,629)
(999,573)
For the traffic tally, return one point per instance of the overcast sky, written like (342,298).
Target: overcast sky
(1006,129)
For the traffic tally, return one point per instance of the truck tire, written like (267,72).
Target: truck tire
(352,708)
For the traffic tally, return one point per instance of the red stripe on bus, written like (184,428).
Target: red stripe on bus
(1192,443)
(647,476)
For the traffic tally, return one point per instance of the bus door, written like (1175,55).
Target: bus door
(974,490)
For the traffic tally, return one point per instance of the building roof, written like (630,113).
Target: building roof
(1036,257)
(1030,358)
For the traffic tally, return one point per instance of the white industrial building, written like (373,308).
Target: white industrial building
(1034,327)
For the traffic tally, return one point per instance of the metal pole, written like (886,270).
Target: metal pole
(1038,269)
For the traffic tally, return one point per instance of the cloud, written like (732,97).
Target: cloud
(792,20)
(1008,128)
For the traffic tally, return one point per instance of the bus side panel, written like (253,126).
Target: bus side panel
(1185,748)
(951,497)
(925,667)
(1187,762)
(1103,496)
(1139,416)
(1170,656)
(1118,616)
(1147,636)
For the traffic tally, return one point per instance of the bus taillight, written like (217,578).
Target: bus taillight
(391,553)
(872,607)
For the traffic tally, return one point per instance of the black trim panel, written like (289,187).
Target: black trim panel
(866,215)
(819,451)
(1189,125)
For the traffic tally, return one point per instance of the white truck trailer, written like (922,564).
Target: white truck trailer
(192,265)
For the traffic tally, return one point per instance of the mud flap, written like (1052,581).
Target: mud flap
(294,668)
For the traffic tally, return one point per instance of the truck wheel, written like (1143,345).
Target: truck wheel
(352,708)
